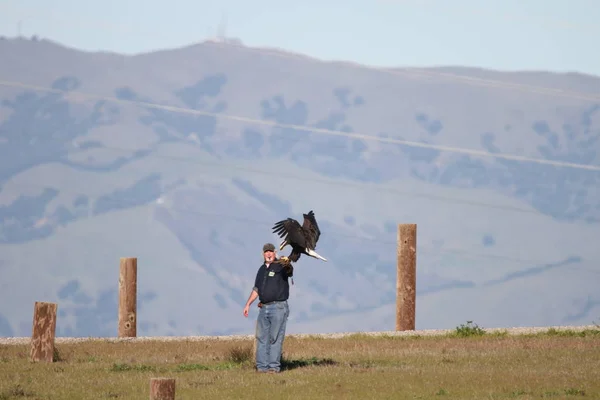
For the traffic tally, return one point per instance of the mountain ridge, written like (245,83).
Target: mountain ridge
(284,53)
(194,196)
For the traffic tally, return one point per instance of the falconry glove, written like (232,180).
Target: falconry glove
(289,269)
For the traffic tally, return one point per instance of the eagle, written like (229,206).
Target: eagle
(302,238)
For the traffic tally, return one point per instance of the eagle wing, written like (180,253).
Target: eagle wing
(311,230)
(290,230)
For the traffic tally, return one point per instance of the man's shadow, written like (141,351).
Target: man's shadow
(289,364)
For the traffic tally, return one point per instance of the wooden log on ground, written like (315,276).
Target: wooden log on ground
(162,389)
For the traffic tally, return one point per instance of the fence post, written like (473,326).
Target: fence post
(406,277)
(44,329)
(162,389)
(128,297)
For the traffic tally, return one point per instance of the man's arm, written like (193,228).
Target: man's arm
(288,269)
(253,295)
(251,298)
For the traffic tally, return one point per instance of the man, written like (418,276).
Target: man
(272,289)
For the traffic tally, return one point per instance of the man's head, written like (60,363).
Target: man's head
(269,252)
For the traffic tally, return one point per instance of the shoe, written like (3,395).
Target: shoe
(272,371)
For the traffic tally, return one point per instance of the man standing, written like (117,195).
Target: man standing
(272,289)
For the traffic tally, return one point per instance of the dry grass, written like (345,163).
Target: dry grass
(472,366)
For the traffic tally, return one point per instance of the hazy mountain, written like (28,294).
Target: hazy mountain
(185,158)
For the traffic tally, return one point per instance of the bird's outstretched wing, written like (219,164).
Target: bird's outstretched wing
(311,229)
(290,230)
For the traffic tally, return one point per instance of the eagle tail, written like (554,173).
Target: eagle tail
(314,254)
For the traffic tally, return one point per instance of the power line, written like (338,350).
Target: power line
(306,128)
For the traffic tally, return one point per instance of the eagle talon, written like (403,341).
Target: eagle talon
(284,260)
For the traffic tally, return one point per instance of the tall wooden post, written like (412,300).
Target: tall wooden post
(128,297)
(44,329)
(406,277)
(162,389)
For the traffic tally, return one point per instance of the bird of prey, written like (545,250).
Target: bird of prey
(302,238)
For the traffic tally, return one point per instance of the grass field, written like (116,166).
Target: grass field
(465,364)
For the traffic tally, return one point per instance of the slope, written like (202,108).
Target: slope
(105,156)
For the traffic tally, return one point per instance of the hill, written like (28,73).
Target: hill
(185,158)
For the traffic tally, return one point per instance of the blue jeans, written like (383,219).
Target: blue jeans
(270,332)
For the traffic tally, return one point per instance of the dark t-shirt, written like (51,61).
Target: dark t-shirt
(272,283)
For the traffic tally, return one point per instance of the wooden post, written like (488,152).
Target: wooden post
(162,389)
(406,277)
(44,329)
(128,297)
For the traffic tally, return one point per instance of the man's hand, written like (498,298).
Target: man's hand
(246,310)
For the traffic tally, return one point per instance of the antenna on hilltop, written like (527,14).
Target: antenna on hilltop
(222,30)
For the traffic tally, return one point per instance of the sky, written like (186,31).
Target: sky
(549,35)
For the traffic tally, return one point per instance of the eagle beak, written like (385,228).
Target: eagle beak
(314,254)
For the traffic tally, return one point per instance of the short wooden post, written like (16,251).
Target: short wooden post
(44,329)
(406,277)
(128,297)
(162,389)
